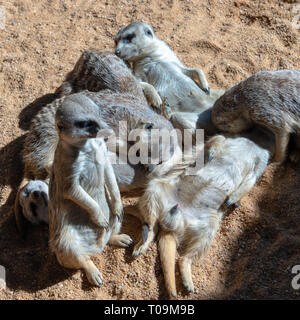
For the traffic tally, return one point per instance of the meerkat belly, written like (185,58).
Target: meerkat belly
(92,177)
(83,233)
(181,92)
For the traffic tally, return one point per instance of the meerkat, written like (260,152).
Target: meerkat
(154,63)
(32,203)
(188,209)
(85,202)
(100,70)
(269,98)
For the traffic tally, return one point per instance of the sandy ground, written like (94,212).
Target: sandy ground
(258,243)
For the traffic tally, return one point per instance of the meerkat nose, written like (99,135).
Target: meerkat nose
(118,52)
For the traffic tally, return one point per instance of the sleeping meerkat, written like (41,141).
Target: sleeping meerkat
(269,98)
(32,202)
(188,209)
(99,70)
(85,208)
(154,63)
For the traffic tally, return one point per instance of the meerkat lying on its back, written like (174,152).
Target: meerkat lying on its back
(269,98)
(85,202)
(186,89)
(100,70)
(188,209)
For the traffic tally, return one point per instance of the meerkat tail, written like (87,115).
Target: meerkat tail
(167,252)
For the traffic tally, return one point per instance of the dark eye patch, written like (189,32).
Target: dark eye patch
(129,37)
(85,124)
(148,126)
(148,32)
(33,208)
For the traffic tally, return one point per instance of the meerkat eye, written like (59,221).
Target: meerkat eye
(80,124)
(92,123)
(149,33)
(148,126)
(129,38)
(60,126)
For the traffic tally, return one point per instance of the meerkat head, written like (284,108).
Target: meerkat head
(134,41)
(33,199)
(78,119)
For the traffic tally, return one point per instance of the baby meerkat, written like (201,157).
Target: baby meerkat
(153,62)
(100,70)
(188,209)
(85,202)
(269,98)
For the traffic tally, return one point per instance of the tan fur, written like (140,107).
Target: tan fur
(268,98)
(167,251)
(100,70)
(85,201)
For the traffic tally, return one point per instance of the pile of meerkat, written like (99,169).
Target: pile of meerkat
(244,127)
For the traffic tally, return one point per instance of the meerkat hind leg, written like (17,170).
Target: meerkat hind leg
(82,262)
(199,76)
(185,266)
(142,246)
(167,253)
(121,240)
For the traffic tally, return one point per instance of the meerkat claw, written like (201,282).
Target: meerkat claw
(232,204)
(207,91)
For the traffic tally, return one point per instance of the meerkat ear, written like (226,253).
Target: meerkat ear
(20,220)
(59,126)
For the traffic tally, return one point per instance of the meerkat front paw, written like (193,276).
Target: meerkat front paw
(100,220)
(122,240)
(156,101)
(118,211)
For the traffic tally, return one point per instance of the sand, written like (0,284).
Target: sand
(258,243)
